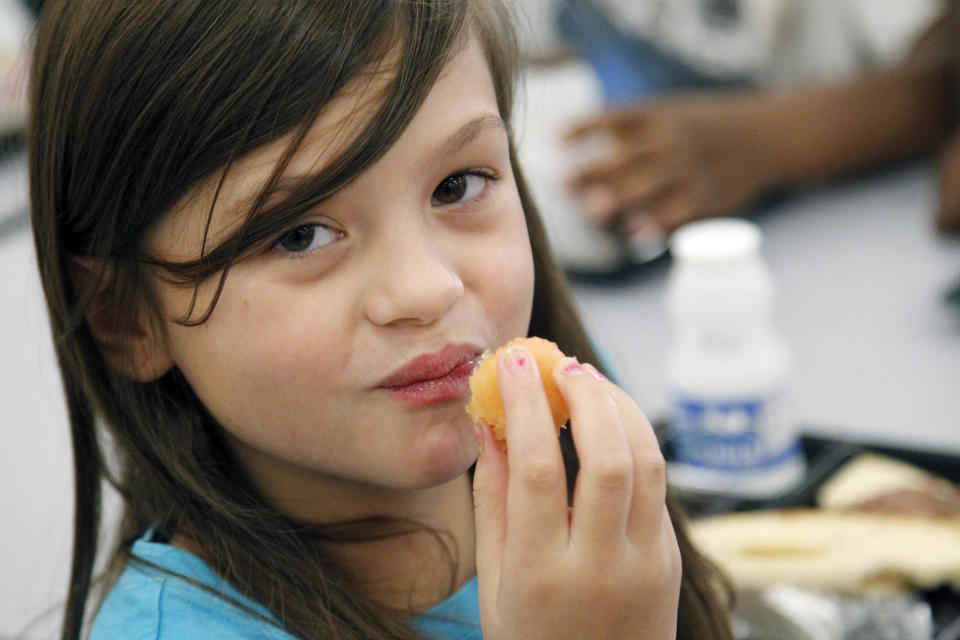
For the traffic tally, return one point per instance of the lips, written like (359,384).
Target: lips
(433,377)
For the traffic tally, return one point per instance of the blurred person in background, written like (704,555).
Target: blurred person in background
(713,104)
(15,24)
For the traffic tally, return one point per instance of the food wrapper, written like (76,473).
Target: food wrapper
(784,612)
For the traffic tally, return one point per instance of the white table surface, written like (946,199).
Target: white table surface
(861,276)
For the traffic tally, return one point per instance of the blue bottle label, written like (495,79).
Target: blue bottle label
(734,435)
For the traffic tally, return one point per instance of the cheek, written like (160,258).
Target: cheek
(505,280)
(255,363)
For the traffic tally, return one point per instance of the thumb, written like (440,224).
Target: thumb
(490,508)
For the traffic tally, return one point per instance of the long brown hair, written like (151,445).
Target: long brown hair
(134,103)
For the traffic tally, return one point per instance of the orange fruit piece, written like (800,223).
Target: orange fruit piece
(486,405)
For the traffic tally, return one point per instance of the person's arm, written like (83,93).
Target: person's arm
(696,155)
(882,117)
(914,109)
(939,45)
(816,133)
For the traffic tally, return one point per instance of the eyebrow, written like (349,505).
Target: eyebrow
(445,149)
(466,134)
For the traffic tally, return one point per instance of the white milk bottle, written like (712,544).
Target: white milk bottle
(727,370)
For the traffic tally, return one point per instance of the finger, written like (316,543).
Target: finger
(649,468)
(639,222)
(614,121)
(647,239)
(489,503)
(605,481)
(636,190)
(675,206)
(599,203)
(607,192)
(626,156)
(536,492)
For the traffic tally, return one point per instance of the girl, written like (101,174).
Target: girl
(273,236)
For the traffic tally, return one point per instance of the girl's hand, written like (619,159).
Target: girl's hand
(609,567)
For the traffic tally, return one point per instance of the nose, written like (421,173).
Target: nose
(413,282)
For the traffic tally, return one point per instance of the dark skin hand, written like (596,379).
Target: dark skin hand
(948,208)
(672,161)
(698,155)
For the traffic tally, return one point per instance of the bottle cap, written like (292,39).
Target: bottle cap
(715,240)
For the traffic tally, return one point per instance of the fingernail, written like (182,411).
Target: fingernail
(593,371)
(572,368)
(519,360)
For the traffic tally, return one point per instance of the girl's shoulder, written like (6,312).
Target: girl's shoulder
(166,593)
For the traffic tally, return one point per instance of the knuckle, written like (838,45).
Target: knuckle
(542,588)
(669,570)
(620,396)
(610,578)
(652,468)
(539,474)
(613,469)
(675,564)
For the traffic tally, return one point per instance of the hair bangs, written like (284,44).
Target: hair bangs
(410,45)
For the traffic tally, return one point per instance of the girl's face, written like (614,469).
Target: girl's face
(337,358)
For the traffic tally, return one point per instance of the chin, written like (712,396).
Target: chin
(446,455)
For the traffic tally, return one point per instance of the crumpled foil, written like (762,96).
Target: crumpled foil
(785,612)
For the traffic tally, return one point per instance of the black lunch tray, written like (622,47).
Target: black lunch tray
(824,455)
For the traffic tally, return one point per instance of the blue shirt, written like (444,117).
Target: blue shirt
(149,603)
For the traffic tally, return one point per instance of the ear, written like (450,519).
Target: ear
(135,349)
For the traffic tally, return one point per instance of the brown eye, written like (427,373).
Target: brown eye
(305,237)
(459,187)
